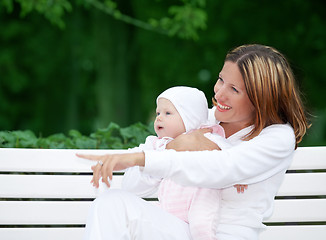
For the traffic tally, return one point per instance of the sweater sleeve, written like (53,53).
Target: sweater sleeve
(248,162)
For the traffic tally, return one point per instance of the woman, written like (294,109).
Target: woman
(259,107)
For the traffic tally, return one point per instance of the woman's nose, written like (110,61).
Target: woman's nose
(219,93)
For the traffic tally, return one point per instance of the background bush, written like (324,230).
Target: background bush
(112,137)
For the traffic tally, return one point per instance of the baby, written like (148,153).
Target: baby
(180,110)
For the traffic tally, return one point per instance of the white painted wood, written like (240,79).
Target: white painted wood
(47,160)
(51,186)
(43,212)
(68,212)
(272,233)
(299,210)
(64,160)
(294,232)
(309,158)
(303,184)
(41,233)
(78,186)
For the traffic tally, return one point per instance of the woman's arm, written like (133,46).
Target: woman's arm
(248,162)
(194,141)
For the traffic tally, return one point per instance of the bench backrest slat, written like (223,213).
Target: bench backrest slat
(51,186)
(68,212)
(313,232)
(55,233)
(72,233)
(43,212)
(306,158)
(47,160)
(64,160)
(78,186)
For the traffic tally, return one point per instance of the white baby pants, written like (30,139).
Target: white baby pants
(120,215)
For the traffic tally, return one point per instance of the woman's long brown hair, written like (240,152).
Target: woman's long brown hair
(271,87)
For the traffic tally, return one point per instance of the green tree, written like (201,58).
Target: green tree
(110,56)
(181,20)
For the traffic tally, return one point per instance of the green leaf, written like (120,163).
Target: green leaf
(7,139)
(75,134)
(85,143)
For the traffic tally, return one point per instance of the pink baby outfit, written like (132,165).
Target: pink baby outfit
(197,206)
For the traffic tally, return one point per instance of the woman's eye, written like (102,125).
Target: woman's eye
(235,90)
(157,114)
(168,113)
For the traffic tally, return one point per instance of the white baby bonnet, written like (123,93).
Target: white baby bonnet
(191,104)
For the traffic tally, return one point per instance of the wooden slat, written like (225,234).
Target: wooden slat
(67,212)
(294,232)
(47,160)
(64,160)
(41,233)
(303,184)
(43,212)
(51,186)
(78,186)
(306,158)
(299,210)
(272,233)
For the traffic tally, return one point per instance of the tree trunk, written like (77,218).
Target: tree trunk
(112,44)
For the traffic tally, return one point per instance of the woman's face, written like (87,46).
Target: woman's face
(234,109)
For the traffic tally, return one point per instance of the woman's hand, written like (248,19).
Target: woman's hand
(112,162)
(241,188)
(194,141)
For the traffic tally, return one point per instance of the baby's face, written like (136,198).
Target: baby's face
(168,122)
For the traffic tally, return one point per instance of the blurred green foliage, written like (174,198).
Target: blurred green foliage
(112,137)
(81,64)
(52,10)
(182,20)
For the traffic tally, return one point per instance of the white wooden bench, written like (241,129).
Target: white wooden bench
(45,194)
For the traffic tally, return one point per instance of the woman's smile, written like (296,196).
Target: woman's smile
(221,107)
